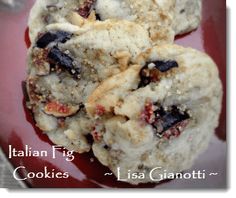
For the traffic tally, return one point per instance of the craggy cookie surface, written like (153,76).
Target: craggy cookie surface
(66,63)
(188,14)
(155,16)
(162,19)
(160,113)
(96,81)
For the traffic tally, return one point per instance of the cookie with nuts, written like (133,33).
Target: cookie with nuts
(160,112)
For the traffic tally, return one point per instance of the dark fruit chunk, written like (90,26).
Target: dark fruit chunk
(166,123)
(49,37)
(89,138)
(45,39)
(63,60)
(60,58)
(106,147)
(182,11)
(86,8)
(144,76)
(170,118)
(98,18)
(147,76)
(164,66)
(152,74)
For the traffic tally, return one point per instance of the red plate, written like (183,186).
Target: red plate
(17,127)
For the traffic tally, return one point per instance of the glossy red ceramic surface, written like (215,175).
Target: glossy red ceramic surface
(17,127)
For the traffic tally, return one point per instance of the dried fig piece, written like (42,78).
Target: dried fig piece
(86,8)
(170,118)
(64,61)
(164,66)
(166,122)
(49,37)
(33,93)
(151,72)
(59,110)
(39,60)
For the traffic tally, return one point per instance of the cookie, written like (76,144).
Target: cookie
(183,15)
(154,16)
(188,14)
(45,12)
(162,19)
(158,115)
(66,63)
